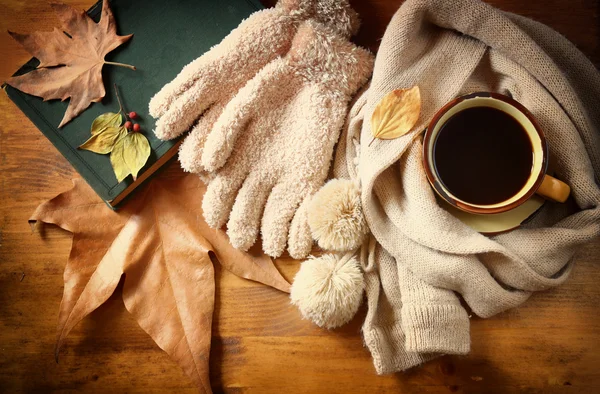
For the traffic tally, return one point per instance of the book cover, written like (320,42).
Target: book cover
(167,35)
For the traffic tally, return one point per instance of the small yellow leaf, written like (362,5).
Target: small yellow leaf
(129,155)
(104,142)
(117,160)
(109,119)
(396,114)
(137,151)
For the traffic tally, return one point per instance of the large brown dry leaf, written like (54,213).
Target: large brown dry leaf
(70,66)
(396,114)
(161,242)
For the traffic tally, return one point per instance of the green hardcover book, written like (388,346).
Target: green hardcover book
(166,36)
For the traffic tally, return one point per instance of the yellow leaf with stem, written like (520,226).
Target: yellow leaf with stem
(129,155)
(106,120)
(396,114)
(104,141)
(137,151)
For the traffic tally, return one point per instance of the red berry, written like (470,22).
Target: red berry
(128,125)
(136,127)
(133,115)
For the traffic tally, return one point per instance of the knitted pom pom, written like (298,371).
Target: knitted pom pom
(335,216)
(328,290)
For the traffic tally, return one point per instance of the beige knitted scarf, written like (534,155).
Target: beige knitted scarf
(423,256)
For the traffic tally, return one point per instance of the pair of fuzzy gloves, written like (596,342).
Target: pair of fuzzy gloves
(265,108)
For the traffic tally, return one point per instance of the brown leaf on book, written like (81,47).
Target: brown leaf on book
(71,63)
(161,242)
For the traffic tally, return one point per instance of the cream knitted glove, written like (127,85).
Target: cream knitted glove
(273,143)
(202,89)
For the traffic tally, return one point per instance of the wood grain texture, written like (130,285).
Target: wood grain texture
(549,345)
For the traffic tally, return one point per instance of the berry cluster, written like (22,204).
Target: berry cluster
(129,125)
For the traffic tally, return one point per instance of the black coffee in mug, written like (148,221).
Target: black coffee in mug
(483,155)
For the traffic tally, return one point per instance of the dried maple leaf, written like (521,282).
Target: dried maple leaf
(70,65)
(161,242)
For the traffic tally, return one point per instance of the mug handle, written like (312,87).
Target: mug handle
(553,189)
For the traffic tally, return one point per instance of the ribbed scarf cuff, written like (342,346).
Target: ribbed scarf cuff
(436,329)
(386,346)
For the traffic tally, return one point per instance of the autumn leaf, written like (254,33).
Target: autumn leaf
(104,141)
(70,65)
(106,120)
(129,151)
(129,155)
(161,243)
(396,114)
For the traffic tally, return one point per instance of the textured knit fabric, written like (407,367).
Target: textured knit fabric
(271,148)
(203,90)
(382,330)
(449,48)
(197,96)
(408,321)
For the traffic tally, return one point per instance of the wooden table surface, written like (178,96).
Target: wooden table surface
(260,344)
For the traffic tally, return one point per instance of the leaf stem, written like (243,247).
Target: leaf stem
(121,109)
(120,65)
(371,142)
